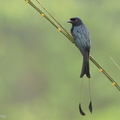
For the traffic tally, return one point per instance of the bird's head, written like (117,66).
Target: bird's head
(75,21)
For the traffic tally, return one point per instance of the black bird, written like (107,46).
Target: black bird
(82,40)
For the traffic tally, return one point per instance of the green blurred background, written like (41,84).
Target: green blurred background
(39,67)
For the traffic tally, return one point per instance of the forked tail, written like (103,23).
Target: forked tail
(85,68)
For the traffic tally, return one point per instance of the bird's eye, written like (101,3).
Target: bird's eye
(76,20)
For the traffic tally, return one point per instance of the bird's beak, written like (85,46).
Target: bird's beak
(69,21)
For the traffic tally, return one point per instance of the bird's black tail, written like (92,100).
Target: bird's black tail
(85,68)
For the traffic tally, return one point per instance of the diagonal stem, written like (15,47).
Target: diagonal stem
(65,31)
(105,72)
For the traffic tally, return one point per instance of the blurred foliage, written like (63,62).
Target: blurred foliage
(40,68)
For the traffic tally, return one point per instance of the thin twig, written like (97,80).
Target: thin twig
(114,62)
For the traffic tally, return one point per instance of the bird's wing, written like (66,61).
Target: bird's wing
(83,36)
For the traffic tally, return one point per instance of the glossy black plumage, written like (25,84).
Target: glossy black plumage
(82,39)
